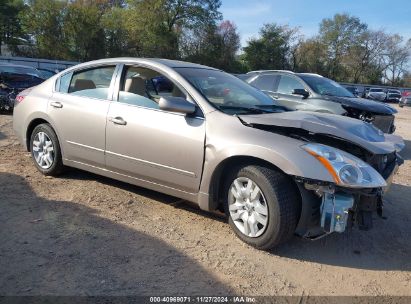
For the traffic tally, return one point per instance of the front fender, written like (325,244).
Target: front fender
(237,140)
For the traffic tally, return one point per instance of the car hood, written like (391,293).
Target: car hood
(364,104)
(349,129)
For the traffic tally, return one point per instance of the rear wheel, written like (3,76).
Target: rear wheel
(45,150)
(262,206)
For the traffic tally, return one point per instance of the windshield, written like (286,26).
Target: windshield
(19,70)
(376,90)
(325,86)
(228,93)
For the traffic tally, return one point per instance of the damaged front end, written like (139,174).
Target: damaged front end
(327,208)
(361,159)
(351,200)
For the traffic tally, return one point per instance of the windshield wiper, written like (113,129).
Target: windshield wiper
(275,108)
(247,109)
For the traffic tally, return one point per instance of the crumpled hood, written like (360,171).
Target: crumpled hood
(364,104)
(352,130)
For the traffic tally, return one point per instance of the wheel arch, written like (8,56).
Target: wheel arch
(216,186)
(34,123)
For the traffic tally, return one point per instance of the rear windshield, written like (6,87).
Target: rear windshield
(20,70)
(376,90)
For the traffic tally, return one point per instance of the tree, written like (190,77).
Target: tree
(115,32)
(339,35)
(213,45)
(363,59)
(42,20)
(310,56)
(83,31)
(10,27)
(406,79)
(273,49)
(156,26)
(396,58)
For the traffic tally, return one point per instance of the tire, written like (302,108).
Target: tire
(48,161)
(278,194)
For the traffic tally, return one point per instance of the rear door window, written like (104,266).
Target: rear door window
(93,83)
(264,82)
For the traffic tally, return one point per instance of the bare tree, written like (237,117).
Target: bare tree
(364,58)
(396,57)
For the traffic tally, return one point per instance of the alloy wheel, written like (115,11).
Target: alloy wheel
(43,150)
(247,207)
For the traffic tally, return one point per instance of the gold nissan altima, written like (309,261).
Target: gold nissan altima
(206,136)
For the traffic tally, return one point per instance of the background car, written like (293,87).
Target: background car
(46,73)
(376,94)
(405,100)
(353,90)
(14,79)
(312,92)
(393,95)
(162,84)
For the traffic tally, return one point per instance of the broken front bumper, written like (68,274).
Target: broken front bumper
(327,208)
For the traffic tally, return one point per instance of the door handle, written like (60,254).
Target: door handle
(56,104)
(118,121)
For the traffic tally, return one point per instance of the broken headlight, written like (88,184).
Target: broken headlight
(346,169)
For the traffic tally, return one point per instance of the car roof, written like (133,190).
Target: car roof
(283,72)
(165,62)
(270,71)
(16,65)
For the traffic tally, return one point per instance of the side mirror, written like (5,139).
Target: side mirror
(301,92)
(176,104)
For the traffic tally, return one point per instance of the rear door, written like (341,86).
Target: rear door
(78,110)
(147,143)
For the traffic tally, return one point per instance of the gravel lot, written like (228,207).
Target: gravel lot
(82,234)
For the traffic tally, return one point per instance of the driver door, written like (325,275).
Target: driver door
(147,143)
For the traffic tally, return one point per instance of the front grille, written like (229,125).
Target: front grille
(384,122)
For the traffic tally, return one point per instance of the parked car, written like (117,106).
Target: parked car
(365,92)
(353,90)
(405,100)
(312,92)
(242,76)
(46,73)
(216,141)
(376,94)
(393,95)
(14,79)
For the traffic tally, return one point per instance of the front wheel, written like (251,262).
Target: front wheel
(45,150)
(263,206)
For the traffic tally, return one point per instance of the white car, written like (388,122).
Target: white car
(376,94)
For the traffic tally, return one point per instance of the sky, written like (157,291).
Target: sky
(393,16)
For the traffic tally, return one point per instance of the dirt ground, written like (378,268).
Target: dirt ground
(81,234)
